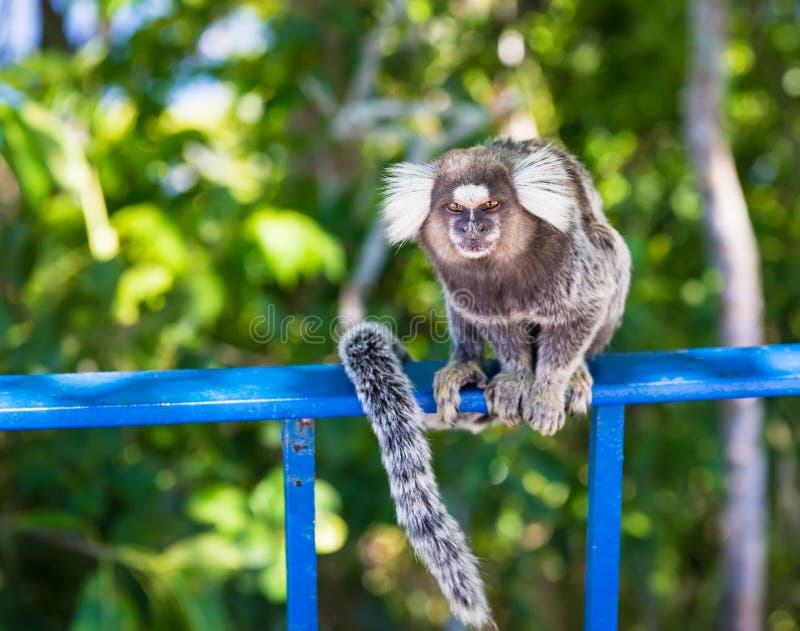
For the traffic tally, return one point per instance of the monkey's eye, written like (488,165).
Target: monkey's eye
(454,207)
(489,205)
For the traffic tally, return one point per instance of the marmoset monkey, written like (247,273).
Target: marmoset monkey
(529,263)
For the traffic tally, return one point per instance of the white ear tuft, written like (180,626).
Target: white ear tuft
(406,199)
(544,189)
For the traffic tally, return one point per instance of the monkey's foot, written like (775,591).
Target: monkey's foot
(517,397)
(543,409)
(448,382)
(506,395)
(472,422)
(579,391)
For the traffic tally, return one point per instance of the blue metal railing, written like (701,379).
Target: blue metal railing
(297,394)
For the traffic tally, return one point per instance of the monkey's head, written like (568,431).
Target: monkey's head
(479,204)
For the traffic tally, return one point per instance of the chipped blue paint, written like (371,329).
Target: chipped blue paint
(301,553)
(300,392)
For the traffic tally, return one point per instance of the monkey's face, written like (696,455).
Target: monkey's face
(473,217)
(473,206)
(481,204)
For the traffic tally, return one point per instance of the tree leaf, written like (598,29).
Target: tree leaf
(102,606)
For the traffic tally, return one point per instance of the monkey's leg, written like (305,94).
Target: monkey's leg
(464,368)
(561,351)
(579,391)
(513,345)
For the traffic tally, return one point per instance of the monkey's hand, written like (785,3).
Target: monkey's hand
(448,382)
(579,391)
(544,410)
(517,397)
(506,393)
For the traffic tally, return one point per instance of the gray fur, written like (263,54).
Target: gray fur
(538,273)
(372,360)
(546,295)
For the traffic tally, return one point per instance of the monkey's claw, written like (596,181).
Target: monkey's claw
(448,382)
(579,391)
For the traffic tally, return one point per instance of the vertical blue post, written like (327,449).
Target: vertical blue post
(605,511)
(301,553)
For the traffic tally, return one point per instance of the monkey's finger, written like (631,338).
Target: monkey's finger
(448,412)
(539,425)
(504,403)
(552,423)
(455,402)
(577,403)
(558,424)
(543,419)
(536,417)
(500,406)
(447,401)
(489,394)
(476,377)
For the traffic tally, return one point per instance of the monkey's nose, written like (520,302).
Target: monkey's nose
(474,229)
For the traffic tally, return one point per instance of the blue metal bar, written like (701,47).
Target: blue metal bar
(297,392)
(301,553)
(605,505)
(250,394)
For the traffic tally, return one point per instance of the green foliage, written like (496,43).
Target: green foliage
(102,606)
(146,224)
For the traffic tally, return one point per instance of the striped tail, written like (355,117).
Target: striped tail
(372,359)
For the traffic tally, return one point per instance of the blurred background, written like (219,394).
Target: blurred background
(175,174)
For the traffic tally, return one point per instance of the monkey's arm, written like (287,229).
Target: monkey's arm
(464,367)
(561,375)
(513,346)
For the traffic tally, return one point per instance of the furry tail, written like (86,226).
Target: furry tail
(372,359)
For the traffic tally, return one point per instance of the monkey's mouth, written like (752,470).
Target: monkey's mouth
(475,241)
(474,248)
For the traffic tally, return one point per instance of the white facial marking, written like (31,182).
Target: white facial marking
(470,195)
(543,187)
(406,199)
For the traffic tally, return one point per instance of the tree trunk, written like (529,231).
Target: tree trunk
(53,35)
(734,252)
